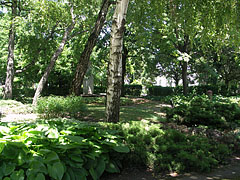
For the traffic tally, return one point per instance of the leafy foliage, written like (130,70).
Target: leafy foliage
(58,150)
(56,106)
(199,110)
(170,150)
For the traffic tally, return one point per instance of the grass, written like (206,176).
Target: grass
(148,111)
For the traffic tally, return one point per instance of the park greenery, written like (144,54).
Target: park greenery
(87,72)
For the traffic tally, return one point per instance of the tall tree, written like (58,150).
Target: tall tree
(115,61)
(54,58)
(83,61)
(8,88)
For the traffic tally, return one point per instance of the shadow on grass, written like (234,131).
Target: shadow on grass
(127,113)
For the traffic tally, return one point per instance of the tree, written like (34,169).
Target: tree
(115,61)
(8,88)
(83,61)
(54,58)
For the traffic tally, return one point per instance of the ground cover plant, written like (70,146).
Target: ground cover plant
(58,150)
(168,150)
(78,146)
(196,110)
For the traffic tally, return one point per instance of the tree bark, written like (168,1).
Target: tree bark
(124,62)
(115,61)
(44,78)
(83,61)
(8,88)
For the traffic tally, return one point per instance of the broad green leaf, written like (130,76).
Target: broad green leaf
(76,139)
(121,148)
(7,178)
(9,169)
(71,173)
(66,176)
(1,146)
(112,168)
(100,167)
(51,157)
(17,175)
(76,158)
(40,176)
(38,166)
(53,133)
(93,173)
(56,170)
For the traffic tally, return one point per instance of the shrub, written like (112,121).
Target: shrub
(199,110)
(54,106)
(170,150)
(58,150)
(160,91)
(132,90)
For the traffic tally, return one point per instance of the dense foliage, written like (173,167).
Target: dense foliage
(56,106)
(58,150)
(200,110)
(169,150)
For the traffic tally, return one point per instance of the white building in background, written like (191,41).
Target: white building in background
(164,82)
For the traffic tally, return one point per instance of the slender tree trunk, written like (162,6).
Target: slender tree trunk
(8,88)
(44,78)
(83,62)
(115,62)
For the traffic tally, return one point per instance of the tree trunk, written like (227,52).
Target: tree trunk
(115,62)
(124,62)
(44,78)
(10,62)
(83,62)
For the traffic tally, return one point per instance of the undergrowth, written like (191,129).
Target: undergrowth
(58,151)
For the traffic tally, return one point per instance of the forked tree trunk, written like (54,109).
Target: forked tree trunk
(83,61)
(45,76)
(8,88)
(115,62)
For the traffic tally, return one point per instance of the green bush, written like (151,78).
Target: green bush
(58,150)
(56,106)
(160,91)
(170,150)
(199,110)
(132,90)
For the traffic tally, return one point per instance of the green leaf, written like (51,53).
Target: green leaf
(112,168)
(70,173)
(17,175)
(93,174)
(100,167)
(1,147)
(121,148)
(76,139)
(6,178)
(51,157)
(76,158)
(56,170)
(9,169)
(38,166)
(40,176)
(53,133)
(66,176)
